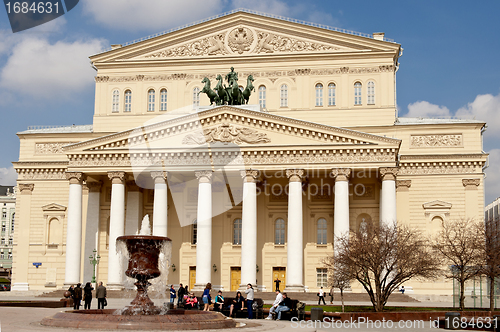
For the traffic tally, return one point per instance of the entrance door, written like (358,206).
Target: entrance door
(192,277)
(235,278)
(280,274)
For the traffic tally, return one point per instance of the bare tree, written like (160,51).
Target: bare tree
(383,257)
(490,256)
(341,276)
(460,243)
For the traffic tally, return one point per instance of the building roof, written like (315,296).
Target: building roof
(4,190)
(58,129)
(419,121)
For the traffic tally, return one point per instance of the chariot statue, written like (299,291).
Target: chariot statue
(230,94)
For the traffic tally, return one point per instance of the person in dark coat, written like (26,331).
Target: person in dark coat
(180,294)
(100,294)
(77,297)
(87,295)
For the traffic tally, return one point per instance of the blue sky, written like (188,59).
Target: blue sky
(449,65)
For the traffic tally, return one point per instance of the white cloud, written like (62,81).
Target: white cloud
(148,15)
(8,176)
(492,181)
(41,69)
(424,109)
(485,108)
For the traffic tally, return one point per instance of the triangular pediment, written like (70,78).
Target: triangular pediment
(53,207)
(437,204)
(218,127)
(244,34)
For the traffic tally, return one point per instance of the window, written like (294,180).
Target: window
(4,214)
(128,101)
(11,241)
(2,256)
(12,223)
(284,95)
(322,231)
(163,100)
(116,101)
(151,100)
(237,231)
(321,278)
(3,228)
(279,231)
(10,255)
(55,231)
(331,94)
(370,93)
(262,96)
(195,231)
(196,96)
(3,241)
(319,94)
(357,93)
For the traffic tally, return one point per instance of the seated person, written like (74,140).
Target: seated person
(284,305)
(219,301)
(191,302)
(237,304)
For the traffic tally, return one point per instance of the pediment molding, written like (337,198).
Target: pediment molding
(53,207)
(437,204)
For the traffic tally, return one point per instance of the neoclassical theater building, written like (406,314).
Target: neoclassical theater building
(247,193)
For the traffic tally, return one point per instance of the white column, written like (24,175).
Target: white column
(204,230)
(74,229)
(160,206)
(116,229)
(295,247)
(91,228)
(388,207)
(134,212)
(249,229)
(341,203)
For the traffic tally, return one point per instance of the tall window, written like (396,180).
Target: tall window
(195,232)
(357,93)
(284,95)
(163,100)
(322,231)
(262,96)
(237,231)
(116,101)
(151,100)
(2,255)
(11,241)
(279,231)
(319,94)
(321,278)
(331,94)
(196,96)
(3,241)
(128,101)
(370,93)
(3,227)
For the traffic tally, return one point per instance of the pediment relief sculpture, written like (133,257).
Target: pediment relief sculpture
(226,133)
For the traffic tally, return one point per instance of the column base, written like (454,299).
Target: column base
(114,287)
(20,286)
(294,288)
(198,287)
(217,288)
(261,288)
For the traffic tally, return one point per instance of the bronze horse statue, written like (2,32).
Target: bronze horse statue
(221,91)
(248,90)
(235,94)
(212,95)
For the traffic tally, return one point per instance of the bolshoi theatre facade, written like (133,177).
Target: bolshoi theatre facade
(250,190)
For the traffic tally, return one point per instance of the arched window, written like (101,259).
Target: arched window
(237,231)
(128,101)
(279,231)
(319,94)
(322,231)
(331,94)
(55,231)
(163,100)
(357,93)
(262,96)
(370,93)
(196,96)
(151,100)
(284,95)
(116,101)
(194,234)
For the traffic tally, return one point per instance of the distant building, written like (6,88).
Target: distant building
(8,204)
(492,213)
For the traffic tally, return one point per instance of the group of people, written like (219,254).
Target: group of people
(78,294)
(281,304)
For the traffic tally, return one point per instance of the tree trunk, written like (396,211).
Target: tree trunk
(462,296)
(492,294)
(342,298)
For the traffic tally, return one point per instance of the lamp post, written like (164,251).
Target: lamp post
(94,260)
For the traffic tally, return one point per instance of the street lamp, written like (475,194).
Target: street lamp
(94,260)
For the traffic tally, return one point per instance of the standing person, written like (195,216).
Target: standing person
(180,294)
(321,295)
(277,301)
(277,283)
(173,294)
(186,291)
(331,295)
(78,297)
(249,292)
(100,294)
(284,305)
(237,303)
(87,295)
(206,297)
(219,301)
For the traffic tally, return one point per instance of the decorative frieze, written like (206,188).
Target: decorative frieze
(423,168)
(471,183)
(50,148)
(41,173)
(226,133)
(431,141)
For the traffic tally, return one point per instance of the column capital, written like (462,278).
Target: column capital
(249,175)
(341,174)
(388,173)
(159,176)
(26,188)
(74,177)
(403,185)
(295,175)
(471,183)
(94,186)
(204,176)
(116,177)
